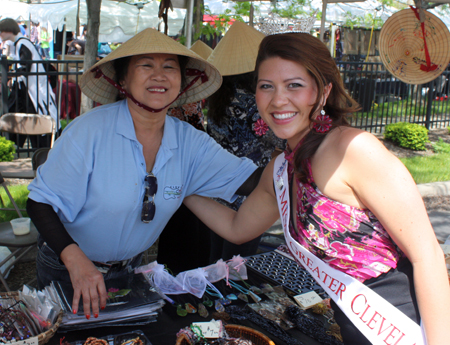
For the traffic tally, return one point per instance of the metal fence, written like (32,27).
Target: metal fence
(64,78)
(383,98)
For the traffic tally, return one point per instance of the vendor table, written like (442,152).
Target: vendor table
(164,330)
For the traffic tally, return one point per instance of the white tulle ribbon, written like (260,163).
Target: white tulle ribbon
(193,281)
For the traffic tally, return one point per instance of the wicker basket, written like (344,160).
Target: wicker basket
(236,331)
(43,337)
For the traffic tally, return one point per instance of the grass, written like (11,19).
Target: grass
(426,169)
(403,108)
(20,196)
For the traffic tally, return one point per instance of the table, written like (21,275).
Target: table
(163,332)
(22,245)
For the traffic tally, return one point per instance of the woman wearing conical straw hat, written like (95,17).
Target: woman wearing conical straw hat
(118,173)
(233,118)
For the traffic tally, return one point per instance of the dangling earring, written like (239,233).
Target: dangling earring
(260,127)
(325,123)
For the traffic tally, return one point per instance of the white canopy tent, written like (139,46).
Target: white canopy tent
(14,9)
(118,21)
(336,10)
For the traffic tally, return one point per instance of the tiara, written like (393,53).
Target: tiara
(274,24)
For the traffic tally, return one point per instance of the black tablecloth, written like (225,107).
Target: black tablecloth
(164,330)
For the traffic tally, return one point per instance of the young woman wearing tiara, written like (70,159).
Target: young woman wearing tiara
(357,222)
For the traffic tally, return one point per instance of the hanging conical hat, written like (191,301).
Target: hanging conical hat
(202,49)
(402,47)
(237,50)
(149,41)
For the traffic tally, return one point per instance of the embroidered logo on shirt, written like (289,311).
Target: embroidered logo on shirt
(172,192)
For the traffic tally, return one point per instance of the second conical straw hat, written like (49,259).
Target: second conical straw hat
(202,49)
(237,50)
(402,46)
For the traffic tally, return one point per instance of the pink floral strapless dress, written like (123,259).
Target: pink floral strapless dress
(349,239)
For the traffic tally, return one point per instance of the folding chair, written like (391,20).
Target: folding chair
(39,157)
(19,245)
(28,124)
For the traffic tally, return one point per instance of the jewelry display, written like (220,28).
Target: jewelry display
(311,326)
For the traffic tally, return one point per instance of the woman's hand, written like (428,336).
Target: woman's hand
(87,281)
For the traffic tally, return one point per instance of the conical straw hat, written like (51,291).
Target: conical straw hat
(150,41)
(237,50)
(202,49)
(402,47)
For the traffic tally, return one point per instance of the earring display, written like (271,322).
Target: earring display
(282,270)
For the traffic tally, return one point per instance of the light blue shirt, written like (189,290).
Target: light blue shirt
(94,179)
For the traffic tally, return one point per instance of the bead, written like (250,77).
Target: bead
(190,308)
(181,311)
(224,301)
(218,306)
(232,297)
(254,296)
(243,297)
(207,302)
(202,311)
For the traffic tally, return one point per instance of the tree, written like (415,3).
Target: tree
(90,52)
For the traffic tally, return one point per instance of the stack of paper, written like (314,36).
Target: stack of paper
(129,303)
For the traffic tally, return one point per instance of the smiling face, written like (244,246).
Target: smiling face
(153,79)
(285,95)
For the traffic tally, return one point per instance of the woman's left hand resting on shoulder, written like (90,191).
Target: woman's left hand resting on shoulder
(259,212)
(353,167)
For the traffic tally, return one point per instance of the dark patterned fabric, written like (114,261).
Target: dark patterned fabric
(191,113)
(238,133)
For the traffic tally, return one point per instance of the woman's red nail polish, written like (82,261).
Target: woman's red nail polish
(96,315)
(74,311)
(88,317)
(102,308)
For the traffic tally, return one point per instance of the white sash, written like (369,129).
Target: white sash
(379,321)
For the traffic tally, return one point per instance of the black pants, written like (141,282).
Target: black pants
(222,249)
(396,287)
(184,243)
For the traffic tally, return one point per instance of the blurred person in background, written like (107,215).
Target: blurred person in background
(233,118)
(30,93)
(44,41)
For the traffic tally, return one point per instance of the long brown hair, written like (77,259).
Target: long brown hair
(312,54)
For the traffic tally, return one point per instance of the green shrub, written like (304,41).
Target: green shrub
(448,129)
(408,135)
(441,147)
(7,150)
(64,123)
